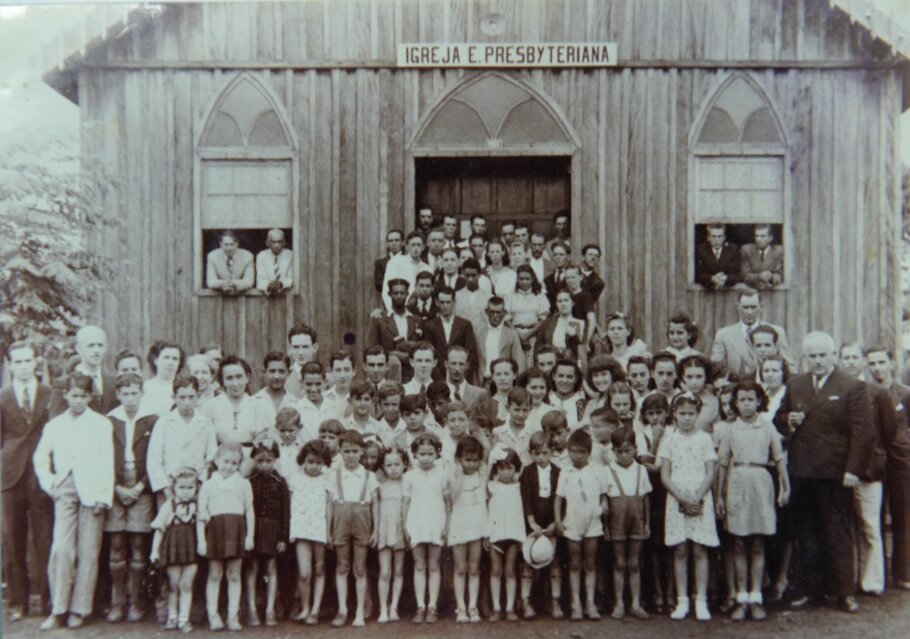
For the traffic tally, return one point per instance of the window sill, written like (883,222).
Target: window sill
(737,289)
(253,292)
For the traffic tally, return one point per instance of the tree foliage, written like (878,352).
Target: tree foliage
(49,278)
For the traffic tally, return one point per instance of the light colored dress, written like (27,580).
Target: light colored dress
(506,512)
(688,453)
(469,509)
(427,510)
(308,507)
(390,532)
(748,449)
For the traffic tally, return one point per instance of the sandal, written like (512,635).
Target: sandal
(340,619)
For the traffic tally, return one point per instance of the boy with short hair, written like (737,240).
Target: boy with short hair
(131,513)
(604,421)
(391,425)
(555,424)
(353,517)
(360,405)
(329,432)
(413,412)
(311,406)
(582,488)
(74,462)
(513,434)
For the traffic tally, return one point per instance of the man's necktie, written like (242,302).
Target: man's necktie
(276,273)
(230,266)
(761,255)
(27,404)
(456,395)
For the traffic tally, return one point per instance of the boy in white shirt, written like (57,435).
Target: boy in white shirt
(74,462)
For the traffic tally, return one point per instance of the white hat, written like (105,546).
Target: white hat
(538,551)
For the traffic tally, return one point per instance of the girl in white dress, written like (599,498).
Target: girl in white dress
(469,525)
(687,463)
(427,507)
(309,525)
(507,528)
(394,461)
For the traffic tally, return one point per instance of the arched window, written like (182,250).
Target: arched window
(246,172)
(738,179)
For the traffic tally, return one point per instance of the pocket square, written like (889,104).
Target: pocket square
(834,398)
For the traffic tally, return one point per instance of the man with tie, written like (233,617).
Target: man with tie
(436,244)
(91,346)
(539,261)
(556,281)
(560,231)
(478,227)
(732,347)
(424,221)
(456,369)
(229,269)
(423,359)
(826,418)
(717,262)
(591,280)
(880,364)
(762,262)
(496,340)
(390,330)
(28,513)
(447,330)
(450,226)
(393,243)
(274,266)
(421,304)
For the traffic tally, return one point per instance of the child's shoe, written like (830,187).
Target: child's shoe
(233,624)
(340,619)
(271,620)
(556,611)
(461,616)
(185,627)
(757,612)
(511,616)
(495,616)
(171,623)
(681,611)
(739,613)
(419,616)
(527,609)
(215,622)
(592,612)
(639,613)
(136,614)
(432,617)
(52,622)
(75,621)
(474,615)
(253,619)
(115,615)
(577,614)
(701,609)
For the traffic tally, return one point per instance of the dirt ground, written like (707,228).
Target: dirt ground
(887,616)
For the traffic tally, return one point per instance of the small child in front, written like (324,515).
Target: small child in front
(628,520)
(226,509)
(351,515)
(582,489)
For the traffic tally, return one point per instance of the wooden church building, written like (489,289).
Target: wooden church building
(645,119)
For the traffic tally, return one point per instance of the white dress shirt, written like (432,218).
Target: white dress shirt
(401,267)
(82,446)
(491,347)
(268,264)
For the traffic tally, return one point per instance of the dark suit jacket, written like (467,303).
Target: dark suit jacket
(836,435)
(553,287)
(544,336)
(706,265)
(753,265)
(594,284)
(439,282)
(421,314)
(530,489)
(900,396)
(884,425)
(383,330)
(379,273)
(102,403)
(19,436)
(462,335)
(142,433)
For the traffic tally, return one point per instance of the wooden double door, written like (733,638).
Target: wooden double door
(525,189)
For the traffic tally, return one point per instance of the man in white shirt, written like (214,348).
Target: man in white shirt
(538,260)
(450,226)
(274,265)
(336,398)
(471,301)
(405,267)
(424,361)
(274,395)
(91,347)
(74,462)
(436,244)
(496,340)
(456,369)
(302,349)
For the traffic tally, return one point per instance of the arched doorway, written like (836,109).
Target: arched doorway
(494,145)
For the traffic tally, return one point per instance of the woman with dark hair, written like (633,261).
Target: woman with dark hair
(165,360)
(773,376)
(620,340)
(682,335)
(498,270)
(234,411)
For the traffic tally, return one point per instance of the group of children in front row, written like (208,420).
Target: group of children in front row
(537,491)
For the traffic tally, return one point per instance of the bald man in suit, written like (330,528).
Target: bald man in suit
(826,417)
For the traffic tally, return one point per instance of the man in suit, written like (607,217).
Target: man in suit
(302,349)
(447,330)
(561,231)
(422,304)
(274,265)
(880,363)
(393,329)
(591,281)
(732,348)
(717,262)
(450,226)
(91,346)
(539,261)
(556,281)
(867,496)
(229,269)
(826,418)
(448,275)
(456,369)
(436,244)
(27,510)
(762,262)
(496,340)
(393,241)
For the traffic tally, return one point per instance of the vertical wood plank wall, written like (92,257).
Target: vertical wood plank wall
(353,126)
